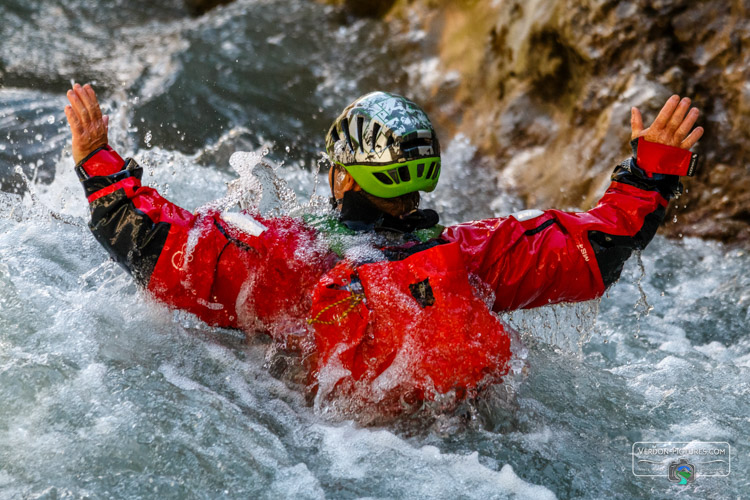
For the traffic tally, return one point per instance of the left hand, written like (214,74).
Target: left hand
(672,125)
(88,125)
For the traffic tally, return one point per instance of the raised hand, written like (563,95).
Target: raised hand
(88,125)
(671,127)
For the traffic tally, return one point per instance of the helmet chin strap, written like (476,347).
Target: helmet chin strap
(336,204)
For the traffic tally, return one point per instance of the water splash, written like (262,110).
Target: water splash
(29,206)
(642,307)
(567,327)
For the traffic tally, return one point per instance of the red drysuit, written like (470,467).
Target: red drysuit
(397,330)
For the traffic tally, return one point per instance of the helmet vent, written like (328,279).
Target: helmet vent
(403,173)
(420,170)
(345,130)
(431,170)
(437,172)
(383,178)
(360,124)
(375,132)
(416,147)
(335,135)
(416,143)
(394,175)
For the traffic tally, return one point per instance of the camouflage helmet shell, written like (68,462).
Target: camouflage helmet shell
(388,145)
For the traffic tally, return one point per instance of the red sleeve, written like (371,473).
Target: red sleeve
(202,263)
(535,258)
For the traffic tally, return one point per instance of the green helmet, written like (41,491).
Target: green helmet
(388,145)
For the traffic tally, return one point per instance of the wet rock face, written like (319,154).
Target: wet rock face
(544,88)
(365,8)
(198,7)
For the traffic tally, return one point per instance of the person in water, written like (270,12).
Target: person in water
(411,319)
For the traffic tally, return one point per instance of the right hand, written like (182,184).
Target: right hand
(672,127)
(88,125)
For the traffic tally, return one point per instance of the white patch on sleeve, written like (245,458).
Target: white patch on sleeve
(244,222)
(526,214)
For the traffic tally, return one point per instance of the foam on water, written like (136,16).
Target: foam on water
(443,475)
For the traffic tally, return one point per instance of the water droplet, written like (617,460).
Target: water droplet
(288,149)
(674,219)
(265,152)
(148,138)
(51,119)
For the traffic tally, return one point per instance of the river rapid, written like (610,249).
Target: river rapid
(107,394)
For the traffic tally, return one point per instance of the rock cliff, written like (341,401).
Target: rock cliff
(544,89)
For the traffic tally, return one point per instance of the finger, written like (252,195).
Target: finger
(684,129)
(92,103)
(78,106)
(694,137)
(679,114)
(636,123)
(73,121)
(666,112)
(90,93)
(82,98)
(75,104)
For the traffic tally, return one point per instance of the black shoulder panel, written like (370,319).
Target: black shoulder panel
(612,251)
(128,234)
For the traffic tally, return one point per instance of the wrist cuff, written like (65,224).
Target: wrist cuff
(101,162)
(657,158)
